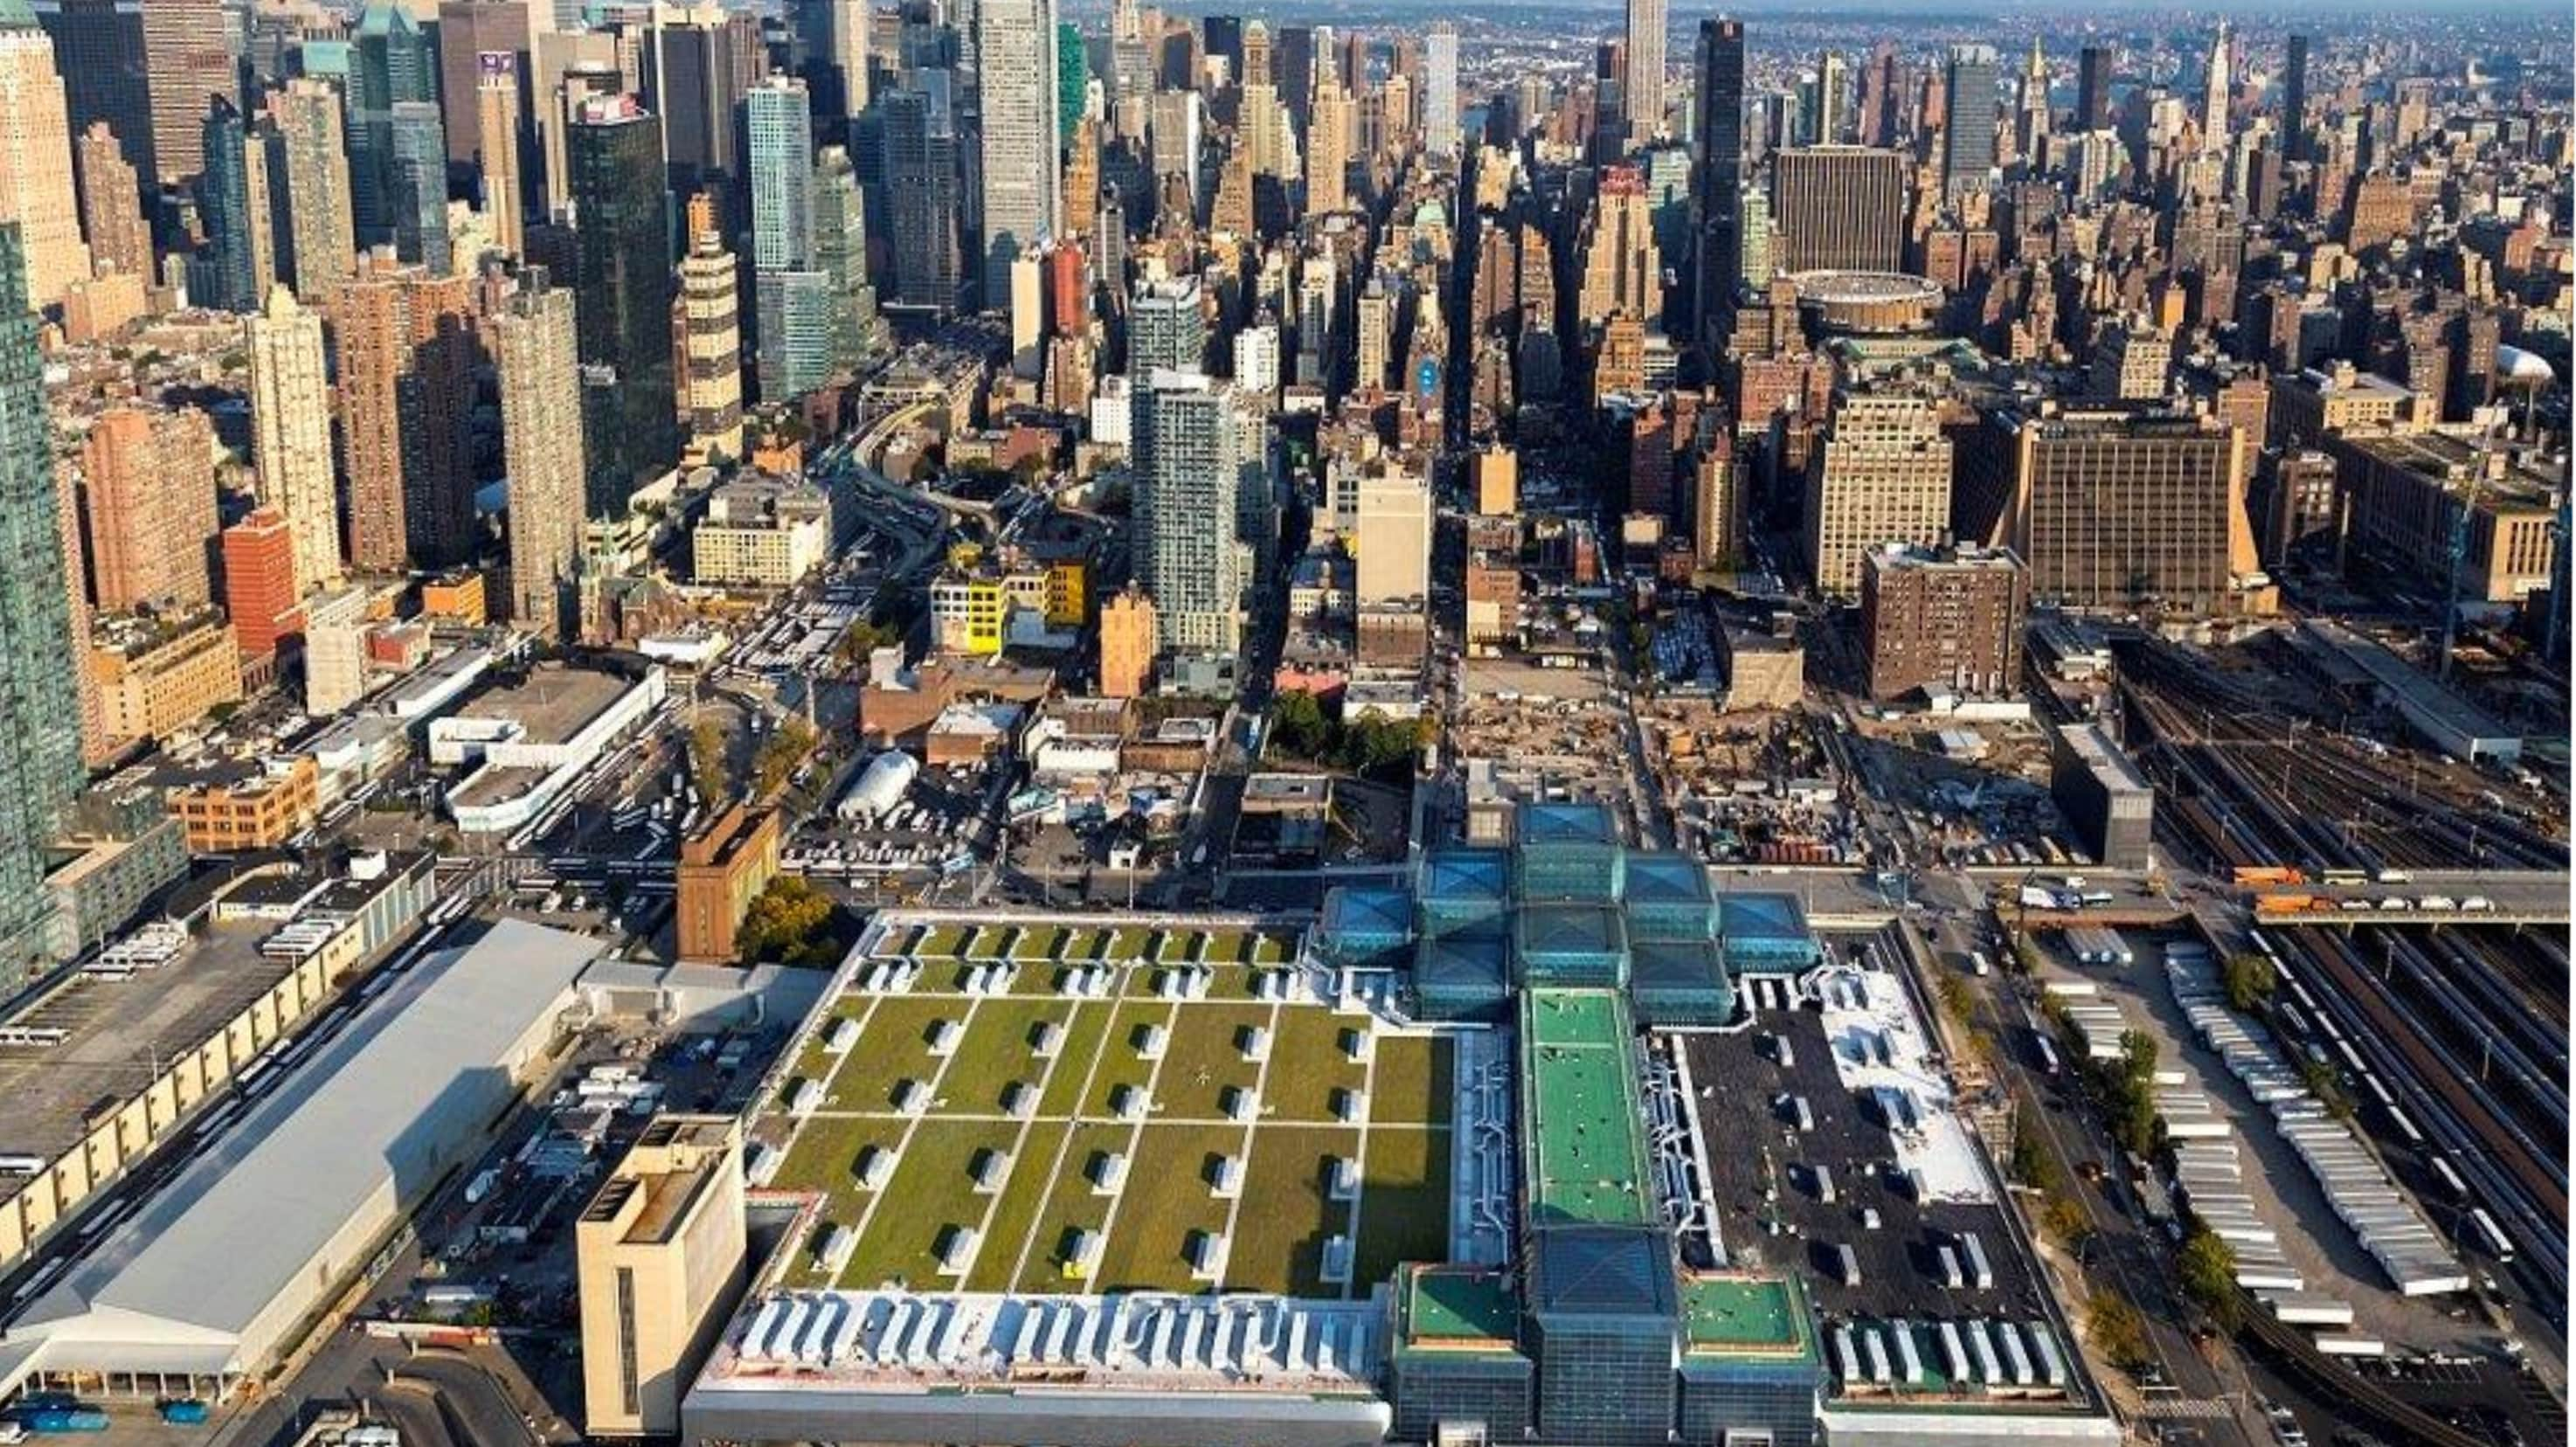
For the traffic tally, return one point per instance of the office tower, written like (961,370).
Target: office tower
(2114,507)
(794,322)
(259,581)
(40,704)
(1258,67)
(1839,208)
(711,327)
(1718,182)
(111,204)
(1881,475)
(148,496)
(1642,85)
(847,52)
(841,255)
(1293,71)
(2216,87)
(36,159)
(1968,129)
(1393,537)
(1620,271)
(659,1256)
(1949,618)
(1328,148)
(536,352)
(389,65)
(1166,328)
(1175,130)
(1882,97)
(569,69)
(223,274)
(416,185)
(307,115)
(699,61)
(1023,208)
(1440,89)
(2294,102)
(1826,119)
(469,30)
(185,63)
(496,123)
(290,406)
(1072,77)
(2093,88)
(1756,230)
(1196,457)
(405,342)
(922,193)
(2032,111)
(623,298)
(98,52)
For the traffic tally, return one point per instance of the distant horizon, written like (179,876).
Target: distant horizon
(1934,10)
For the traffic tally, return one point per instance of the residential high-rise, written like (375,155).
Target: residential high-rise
(1837,207)
(2132,361)
(923,200)
(1166,328)
(1880,475)
(389,65)
(496,125)
(1127,644)
(111,204)
(1440,89)
(659,1255)
(841,255)
(794,319)
(290,413)
(1969,91)
(711,329)
(98,52)
(1717,179)
(1946,618)
(224,274)
(407,353)
(536,351)
(36,159)
(307,114)
(2093,88)
(148,497)
(2294,101)
(1197,455)
(259,581)
(185,62)
(1023,207)
(1643,85)
(623,299)
(40,703)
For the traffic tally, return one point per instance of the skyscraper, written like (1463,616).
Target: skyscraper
(1968,136)
(1838,207)
(416,185)
(469,30)
(699,60)
(185,63)
(847,42)
(407,354)
(223,275)
(98,52)
(536,351)
(36,159)
(841,255)
(2093,88)
(1826,122)
(1620,269)
(148,492)
(922,193)
(290,413)
(2294,101)
(306,113)
(711,335)
(1200,459)
(389,64)
(623,298)
(40,707)
(496,124)
(2217,84)
(1882,476)
(1166,328)
(111,209)
(1717,182)
(1643,85)
(1023,208)
(794,316)
(1328,147)
(1440,89)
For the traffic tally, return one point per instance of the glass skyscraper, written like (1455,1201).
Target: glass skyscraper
(223,277)
(623,299)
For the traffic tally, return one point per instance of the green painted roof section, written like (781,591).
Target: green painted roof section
(1746,1316)
(1584,1128)
(1459,1309)
(17,15)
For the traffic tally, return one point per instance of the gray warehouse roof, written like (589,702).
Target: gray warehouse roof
(244,1240)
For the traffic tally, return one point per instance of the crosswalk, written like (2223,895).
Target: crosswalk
(2186,1408)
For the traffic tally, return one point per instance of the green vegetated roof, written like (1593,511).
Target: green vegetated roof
(1450,1308)
(1584,1125)
(1746,1315)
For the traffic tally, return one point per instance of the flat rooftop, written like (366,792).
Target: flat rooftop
(553,705)
(1743,1315)
(1584,1126)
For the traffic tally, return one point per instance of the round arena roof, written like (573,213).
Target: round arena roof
(1845,288)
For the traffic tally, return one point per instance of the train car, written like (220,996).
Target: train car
(2497,1243)
(2047,1053)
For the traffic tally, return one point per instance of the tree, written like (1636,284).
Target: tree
(1956,999)
(2031,1164)
(2117,1330)
(707,760)
(2065,1222)
(859,640)
(789,922)
(1297,724)
(779,756)
(2206,1266)
(2327,1087)
(2249,978)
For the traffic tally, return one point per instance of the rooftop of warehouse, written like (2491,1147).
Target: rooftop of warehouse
(1585,1130)
(553,704)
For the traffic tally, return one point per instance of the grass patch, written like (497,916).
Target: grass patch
(1308,1064)
(1404,1202)
(895,1046)
(1085,1032)
(1119,1064)
(1179,947)
(1206,1056)
(1288,1210)
(1273,949)
(1165,1206)
(932,1191)
(1036,942)
(825,1154)
(938,941)
(987,942)
(1414,1084)
(997,1051)
(1031,1175)
(1126,945)
(1070,1206)
(1224,947)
